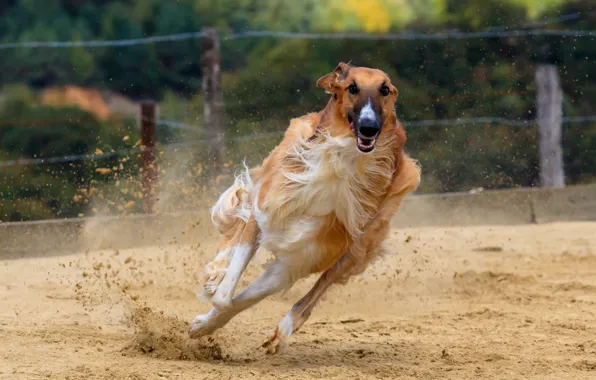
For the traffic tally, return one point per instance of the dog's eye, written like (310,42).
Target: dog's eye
(384,90)
(353,89)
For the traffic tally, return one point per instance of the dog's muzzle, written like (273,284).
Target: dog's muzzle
(367,129)
(366,135)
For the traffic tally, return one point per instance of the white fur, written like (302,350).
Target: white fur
(367,112)
(225,291)
(223,253)
(286,326)
(214,274)
(205,324)
(329,183)
(228,207)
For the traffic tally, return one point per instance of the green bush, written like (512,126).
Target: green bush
(34,191)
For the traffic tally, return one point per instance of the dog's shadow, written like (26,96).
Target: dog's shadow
(352,354)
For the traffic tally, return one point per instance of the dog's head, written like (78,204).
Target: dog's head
(364,101)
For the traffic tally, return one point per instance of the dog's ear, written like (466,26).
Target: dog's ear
(339,74)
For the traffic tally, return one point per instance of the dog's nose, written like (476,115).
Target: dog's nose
(369,128)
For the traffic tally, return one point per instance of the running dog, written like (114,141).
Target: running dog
(321,202)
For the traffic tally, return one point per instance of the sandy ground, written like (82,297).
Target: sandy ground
(515,302)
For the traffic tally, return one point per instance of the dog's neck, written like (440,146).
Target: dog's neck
(327,171)
(332,121)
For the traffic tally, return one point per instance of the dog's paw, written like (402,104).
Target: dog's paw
(214,273)
(277,341)
(202,325)
(274,343)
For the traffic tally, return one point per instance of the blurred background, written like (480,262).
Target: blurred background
(218,81)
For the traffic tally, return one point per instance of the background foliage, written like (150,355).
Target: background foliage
(268,80)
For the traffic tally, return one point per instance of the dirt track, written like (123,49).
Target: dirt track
(463,303)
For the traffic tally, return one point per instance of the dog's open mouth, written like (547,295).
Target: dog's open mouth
(365,145)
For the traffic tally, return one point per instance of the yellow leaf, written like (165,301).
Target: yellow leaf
(103,171)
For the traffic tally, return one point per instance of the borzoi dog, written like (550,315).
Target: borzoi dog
(322,201)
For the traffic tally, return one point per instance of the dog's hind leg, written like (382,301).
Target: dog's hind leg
(278,339)
(276,278)
(243,251)
(215,270)
(230,215)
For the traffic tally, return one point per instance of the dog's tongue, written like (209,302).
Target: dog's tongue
(352,126)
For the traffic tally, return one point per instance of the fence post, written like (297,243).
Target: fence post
(549,100)
(148,117)
(213,97)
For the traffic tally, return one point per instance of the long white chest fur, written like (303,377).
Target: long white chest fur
(329,178)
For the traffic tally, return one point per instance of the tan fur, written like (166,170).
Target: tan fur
(318,204)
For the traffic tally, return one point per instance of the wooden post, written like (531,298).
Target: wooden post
(213,97)
(549,100)
(148,117)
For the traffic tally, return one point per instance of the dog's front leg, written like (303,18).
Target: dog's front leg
(300,312)
(352,262)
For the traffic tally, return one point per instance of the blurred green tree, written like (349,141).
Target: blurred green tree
(269,80)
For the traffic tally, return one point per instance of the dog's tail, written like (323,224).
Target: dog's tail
(234,203)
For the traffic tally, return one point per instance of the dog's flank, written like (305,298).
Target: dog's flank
(322,201)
